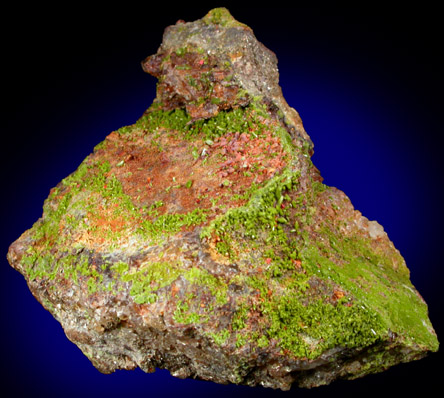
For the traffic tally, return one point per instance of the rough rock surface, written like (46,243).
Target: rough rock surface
(202,240)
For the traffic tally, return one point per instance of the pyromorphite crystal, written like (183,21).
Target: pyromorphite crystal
(201,239)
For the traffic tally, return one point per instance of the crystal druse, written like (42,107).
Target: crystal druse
(201,238)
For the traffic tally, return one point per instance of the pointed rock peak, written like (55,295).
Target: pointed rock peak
(201,239)
(216,63)
(221,16)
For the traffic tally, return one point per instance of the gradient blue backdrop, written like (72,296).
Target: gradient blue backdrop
(367,82)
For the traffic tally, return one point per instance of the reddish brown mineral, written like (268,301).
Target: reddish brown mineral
(201,239)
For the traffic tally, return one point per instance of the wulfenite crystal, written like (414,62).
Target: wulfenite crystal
(201,239)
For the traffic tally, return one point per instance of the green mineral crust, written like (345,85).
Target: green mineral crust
(201,239)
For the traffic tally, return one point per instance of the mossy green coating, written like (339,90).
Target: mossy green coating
(264,223)
(183,315)
(146,281)
(221,16)
(168,224)
(203,278)
(207,222)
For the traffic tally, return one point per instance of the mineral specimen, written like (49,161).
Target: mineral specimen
(201,239)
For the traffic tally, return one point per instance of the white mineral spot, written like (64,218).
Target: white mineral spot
(375,230)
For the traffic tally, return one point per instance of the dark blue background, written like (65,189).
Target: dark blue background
(367,82)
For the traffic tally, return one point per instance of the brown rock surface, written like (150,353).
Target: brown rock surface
(202,240)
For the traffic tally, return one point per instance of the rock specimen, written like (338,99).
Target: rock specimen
(201,239)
